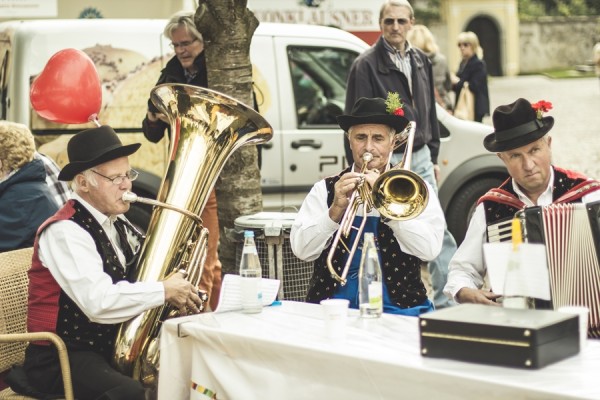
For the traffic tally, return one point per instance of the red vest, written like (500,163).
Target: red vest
(51,309)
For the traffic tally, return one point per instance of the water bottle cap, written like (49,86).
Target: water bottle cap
(248,234)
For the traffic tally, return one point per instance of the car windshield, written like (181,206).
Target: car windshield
(319,81)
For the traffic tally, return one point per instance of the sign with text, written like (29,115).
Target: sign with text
(350,15)
(28,8)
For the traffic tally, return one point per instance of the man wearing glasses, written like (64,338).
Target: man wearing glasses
(189,66)
(393,65)
(80,280)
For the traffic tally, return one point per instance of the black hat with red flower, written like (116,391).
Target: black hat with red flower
(375,111)
(518,124)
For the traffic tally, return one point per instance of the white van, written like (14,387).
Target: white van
(300,80)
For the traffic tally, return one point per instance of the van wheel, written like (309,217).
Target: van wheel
(463,205)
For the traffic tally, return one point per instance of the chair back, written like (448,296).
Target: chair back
(13,303)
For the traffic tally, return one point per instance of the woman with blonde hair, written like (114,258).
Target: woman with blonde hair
(472,69)
(421,37)
(25,199)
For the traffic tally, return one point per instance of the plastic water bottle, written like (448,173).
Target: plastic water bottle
(370,280)
(251,274)
(513,278)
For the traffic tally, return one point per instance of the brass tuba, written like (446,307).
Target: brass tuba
(206,128)
(398,194)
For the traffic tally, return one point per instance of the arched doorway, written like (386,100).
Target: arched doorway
(489,38)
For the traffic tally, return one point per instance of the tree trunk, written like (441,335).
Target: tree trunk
(227,27)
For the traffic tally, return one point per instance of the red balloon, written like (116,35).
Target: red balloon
(68,89)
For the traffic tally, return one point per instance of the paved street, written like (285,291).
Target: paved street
(576,112)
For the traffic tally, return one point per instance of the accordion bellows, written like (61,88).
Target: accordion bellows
(571,234)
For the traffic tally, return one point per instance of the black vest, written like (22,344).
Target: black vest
(402,272)
(78,332)
(496,212)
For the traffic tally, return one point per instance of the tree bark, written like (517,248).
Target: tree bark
(227,27)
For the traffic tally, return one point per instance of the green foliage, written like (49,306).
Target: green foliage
(564,73)
(426,11)
(529,9)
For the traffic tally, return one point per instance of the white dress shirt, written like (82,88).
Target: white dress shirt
(69,253)
(313,230)
(467,267)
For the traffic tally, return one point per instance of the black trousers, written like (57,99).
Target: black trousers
(93,377)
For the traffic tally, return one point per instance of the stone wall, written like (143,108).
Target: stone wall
(557,42)
(545,43)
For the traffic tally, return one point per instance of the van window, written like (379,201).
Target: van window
(319,83)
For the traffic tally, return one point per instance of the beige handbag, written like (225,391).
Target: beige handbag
(465,106)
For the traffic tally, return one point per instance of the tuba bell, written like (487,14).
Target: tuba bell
(206,128)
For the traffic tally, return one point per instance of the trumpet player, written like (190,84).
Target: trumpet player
(371,127)
(79,282)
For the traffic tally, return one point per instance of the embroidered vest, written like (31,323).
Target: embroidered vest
(402,272)
(50,309)
(502,203)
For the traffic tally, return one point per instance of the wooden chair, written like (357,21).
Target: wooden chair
(13,320)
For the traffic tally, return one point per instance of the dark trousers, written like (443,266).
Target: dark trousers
(93,377)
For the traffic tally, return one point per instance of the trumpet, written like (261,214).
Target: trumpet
(398,194)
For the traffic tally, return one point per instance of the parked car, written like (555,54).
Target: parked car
(299,81)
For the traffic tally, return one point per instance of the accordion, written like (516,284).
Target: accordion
(571,234)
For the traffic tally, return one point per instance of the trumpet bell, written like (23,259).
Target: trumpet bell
(400,195)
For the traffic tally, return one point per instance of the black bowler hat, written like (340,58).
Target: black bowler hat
(93,147)
(371,111)
(516,125)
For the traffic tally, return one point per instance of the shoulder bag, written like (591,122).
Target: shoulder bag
(465,106)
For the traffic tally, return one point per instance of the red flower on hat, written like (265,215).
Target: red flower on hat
(541,107)
(393,104)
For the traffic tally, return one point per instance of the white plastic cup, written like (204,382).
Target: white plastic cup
(335,313)
(583,313)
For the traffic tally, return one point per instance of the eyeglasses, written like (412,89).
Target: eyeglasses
(183,45)
(464,44)
(132,175)
(400,21)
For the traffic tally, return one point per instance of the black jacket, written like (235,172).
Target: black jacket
(173,73)
(374,74)
(25,202)
(475,72)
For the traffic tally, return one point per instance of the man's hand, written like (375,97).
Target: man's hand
(182,294)
(436,172)
(469,295)
(371,176)
(342,191)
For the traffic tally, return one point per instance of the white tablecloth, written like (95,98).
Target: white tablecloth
(283,354)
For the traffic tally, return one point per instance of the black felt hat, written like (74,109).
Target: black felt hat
(516,125)
(93,147)
(371,111)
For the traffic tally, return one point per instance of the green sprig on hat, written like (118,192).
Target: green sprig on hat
(393,104)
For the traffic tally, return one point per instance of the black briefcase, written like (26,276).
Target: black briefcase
(499,336)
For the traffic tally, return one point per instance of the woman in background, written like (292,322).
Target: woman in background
(25,199)
(472,69)
(421,37)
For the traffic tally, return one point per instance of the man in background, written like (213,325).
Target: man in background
(188,66)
